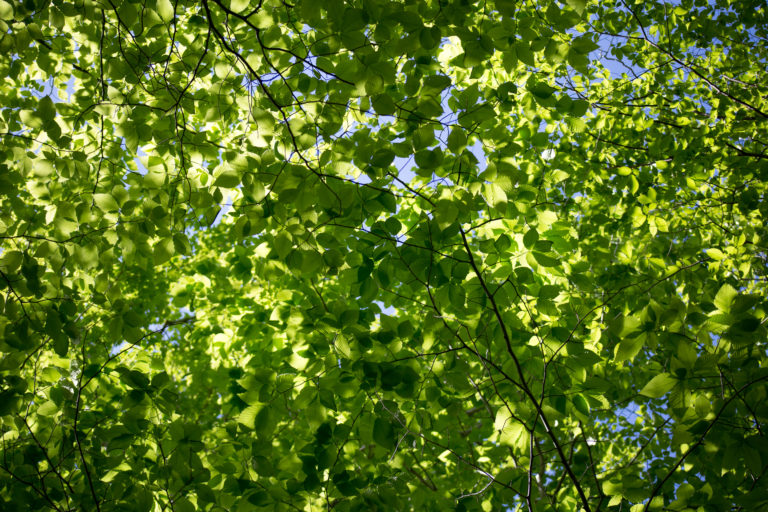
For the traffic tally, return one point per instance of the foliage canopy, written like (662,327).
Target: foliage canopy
(383,255)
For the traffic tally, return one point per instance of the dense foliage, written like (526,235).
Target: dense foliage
(383,255)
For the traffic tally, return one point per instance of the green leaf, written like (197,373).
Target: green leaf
(457,139)
(581,404)
(725,297)
(445,212)
(436,83)
(629,347)
(428,158)
(383,105)
(429,37)
(524,53)
(181,243)
(545,260)
(579,108)
(154,179)
(10,261)
(106,202)
(511,432)
(259,498)
(163,250)
(577,5)
(530,238)
(715,254)
(333,258)
(745,325)
(165,10)
(239,5)
(311,262)
(61,345)
(495,195)
(383,433)
(227,178)
(248,415)
(48,408)
(46,109)
(541,90)
(658,386)
(6,10)
(382,158)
